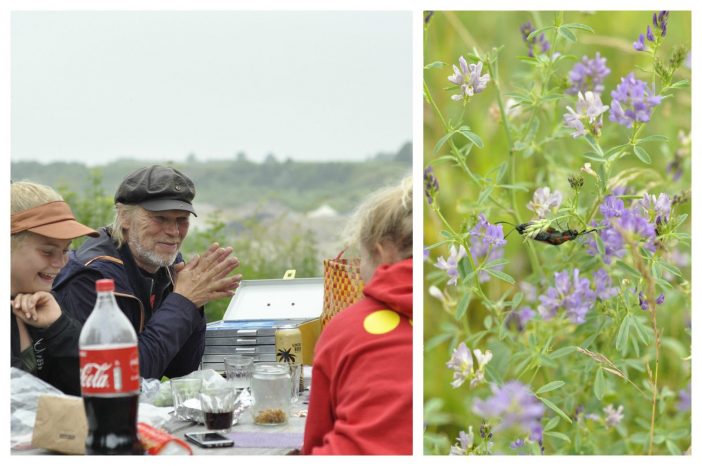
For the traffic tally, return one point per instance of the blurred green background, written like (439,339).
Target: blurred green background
(449,35)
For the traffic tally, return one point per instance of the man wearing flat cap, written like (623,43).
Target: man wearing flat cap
(161,295)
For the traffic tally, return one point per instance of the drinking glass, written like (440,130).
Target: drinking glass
(239,370)
(218,407)
(185,397)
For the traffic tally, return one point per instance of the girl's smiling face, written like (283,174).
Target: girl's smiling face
(35,262)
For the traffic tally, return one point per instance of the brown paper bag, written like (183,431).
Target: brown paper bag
(60,424)
(342,285)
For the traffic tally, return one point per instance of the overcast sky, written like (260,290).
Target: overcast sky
(96,86)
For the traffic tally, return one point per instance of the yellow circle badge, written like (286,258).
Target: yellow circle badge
(380,322)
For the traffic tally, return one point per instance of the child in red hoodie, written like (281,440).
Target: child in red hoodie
(361,395)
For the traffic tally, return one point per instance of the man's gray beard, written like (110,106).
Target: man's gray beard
(149,257)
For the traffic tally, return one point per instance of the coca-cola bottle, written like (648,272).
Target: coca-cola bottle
(109,377)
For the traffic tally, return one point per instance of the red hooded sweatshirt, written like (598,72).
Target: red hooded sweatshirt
(361,395)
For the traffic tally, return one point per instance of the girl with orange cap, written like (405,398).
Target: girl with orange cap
(44,340)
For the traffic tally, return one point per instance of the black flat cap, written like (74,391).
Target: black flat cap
(157,188)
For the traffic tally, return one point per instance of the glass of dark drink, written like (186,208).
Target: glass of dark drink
(217,405)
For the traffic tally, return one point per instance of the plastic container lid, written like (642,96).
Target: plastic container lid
(105,284)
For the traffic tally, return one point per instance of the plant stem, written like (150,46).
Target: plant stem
(456,152)
(535,264)
(650,292)
(462,242)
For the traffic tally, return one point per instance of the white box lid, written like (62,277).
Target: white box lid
(297,298)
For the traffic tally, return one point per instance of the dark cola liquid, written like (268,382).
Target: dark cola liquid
(219,421)
(112,425)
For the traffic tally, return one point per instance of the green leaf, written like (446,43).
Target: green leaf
(442,141)
(629,269)
(472,137)
(616,149)
(560,352)
(670,269)
(487,322)
(496,262)
(640,437)
(567,34)
(641,330)
(501,172)
(484,194)
(642,154)
(464,267)
(600,384)
(552,423)
(672,448)
(517,298)
(583,27)
(654,137)
(550,386)
(539,31)
(501,275)
(436,64)
(555,408)
(623,335)
(680,84)
(462,306)
(593,156)
(591,141)
(558,435)
(550,96)
(436,341)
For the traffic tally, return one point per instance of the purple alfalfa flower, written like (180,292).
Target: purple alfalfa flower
(613,417)
(658,207)
(520,318)
(427,255)
(649,34)
(643,301)
(630,222)
(639,44)
(620,190)
(514,405)
(540,40)
(603,285)
(632,102)
(661,21)
(588,111)
(674,168)
(461,363)
(517,444)
(685,400)
(633,222)
(612,206)
(588,75)
(450,264)
(544,200)
(431,184)
(469,79)
(574,297)
(464,442)
(487,241)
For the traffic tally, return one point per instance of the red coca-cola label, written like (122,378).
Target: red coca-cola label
(106,370)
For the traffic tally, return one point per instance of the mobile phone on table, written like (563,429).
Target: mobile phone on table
(209,439)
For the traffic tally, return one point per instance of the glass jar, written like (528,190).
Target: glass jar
(270,388)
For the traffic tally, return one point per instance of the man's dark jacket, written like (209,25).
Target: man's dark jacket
(170,327)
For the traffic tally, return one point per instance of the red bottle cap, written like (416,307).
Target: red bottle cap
(105,284)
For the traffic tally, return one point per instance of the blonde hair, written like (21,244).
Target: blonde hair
(385,215)
(123,214)
(26,195)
